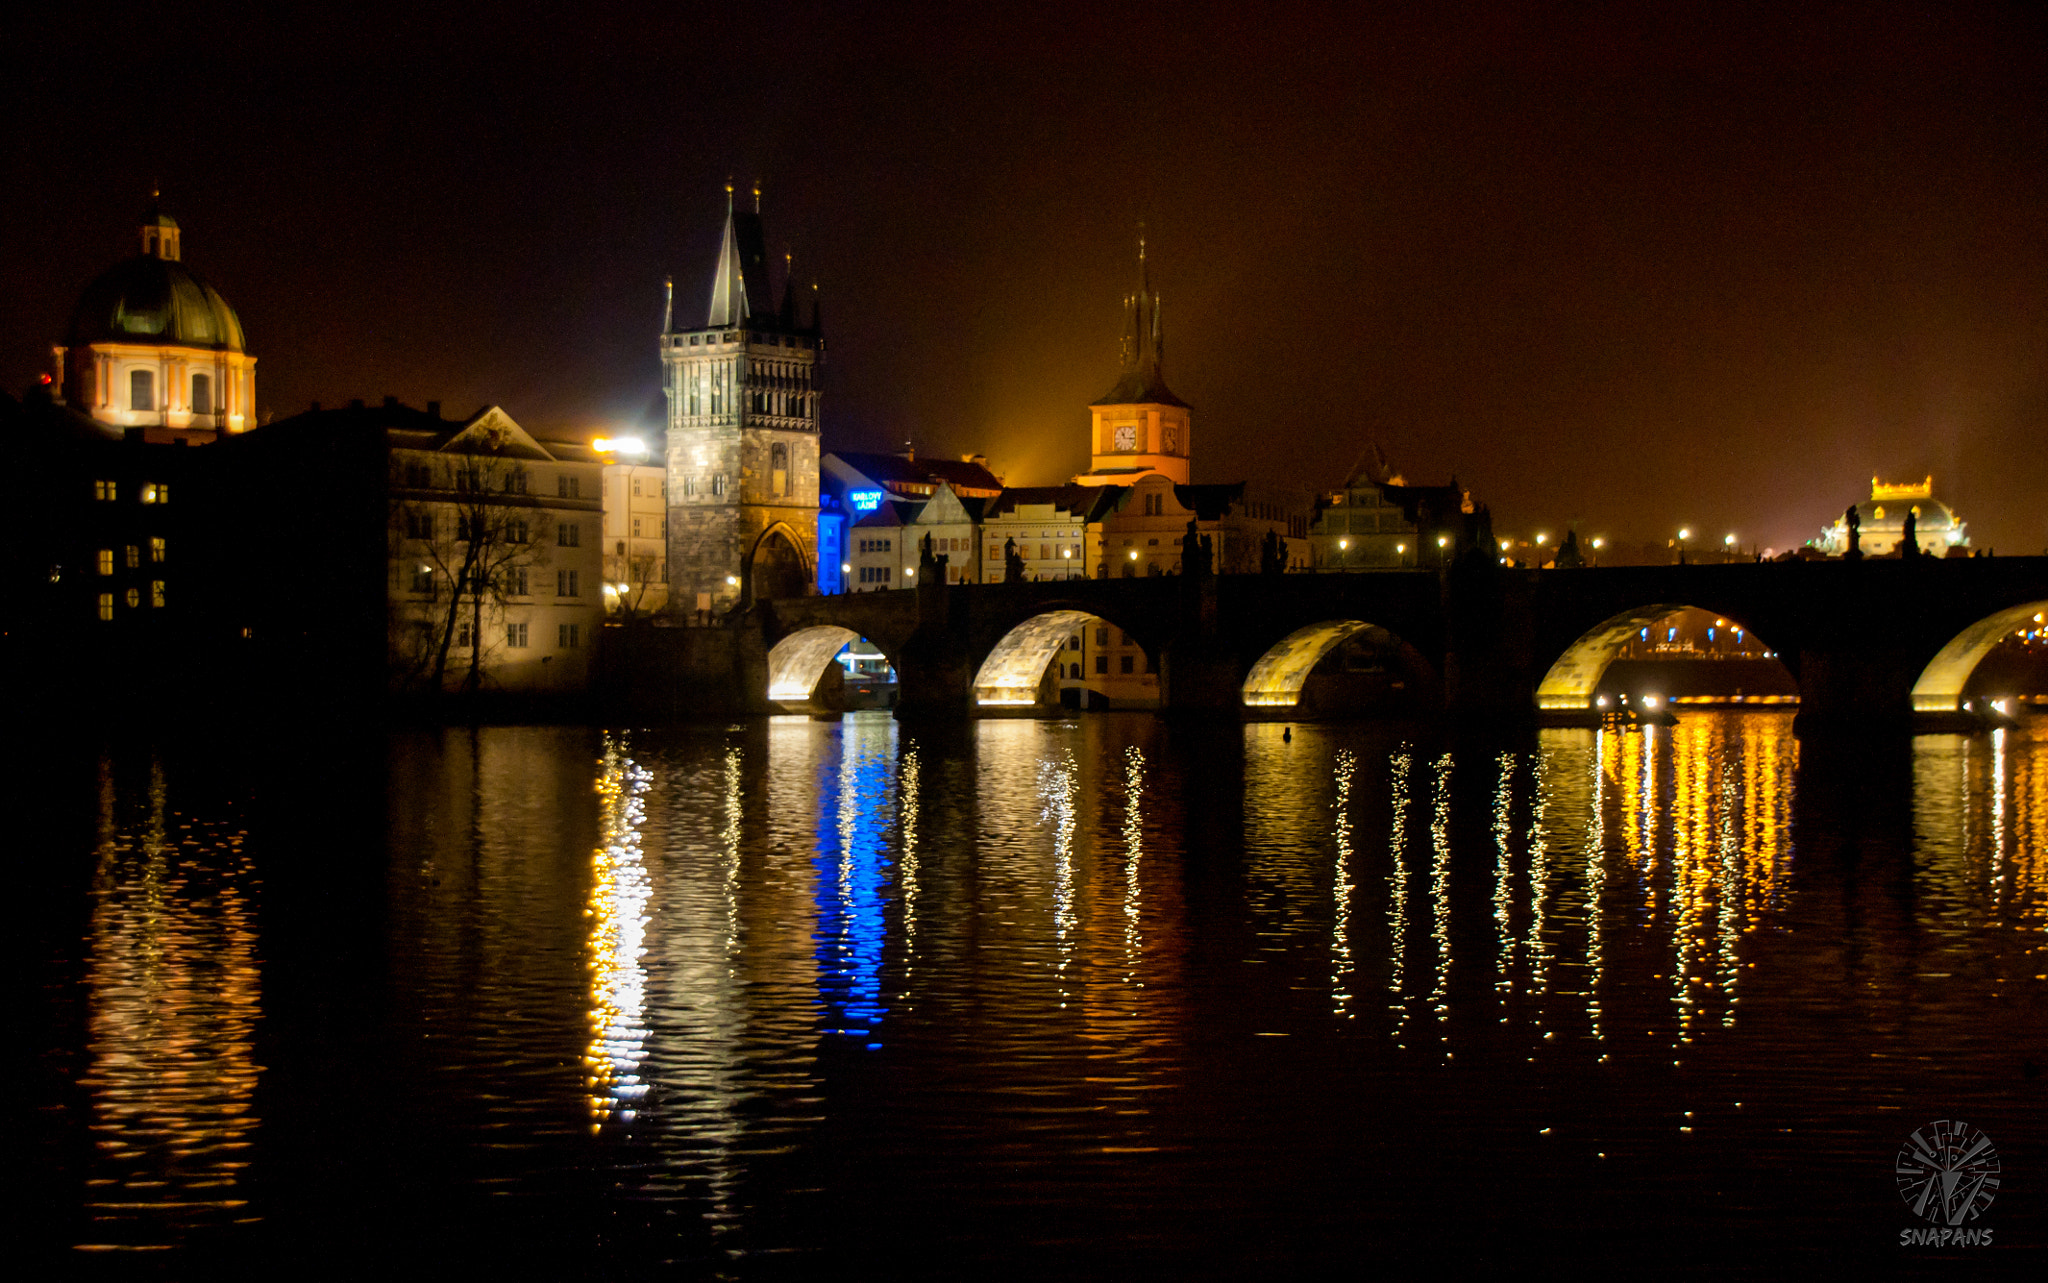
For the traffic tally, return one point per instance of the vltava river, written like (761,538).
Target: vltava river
(1091,995)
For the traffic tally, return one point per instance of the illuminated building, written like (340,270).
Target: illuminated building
(1882,519)
(742,449)
(887,491)
(152,346)
(1139,427)
(885,545)
(1379,522)
(466,552)
(635,528)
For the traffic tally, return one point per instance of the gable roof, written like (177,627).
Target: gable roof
(893,471)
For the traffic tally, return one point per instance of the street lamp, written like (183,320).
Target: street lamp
(1540,539)
(1598,543)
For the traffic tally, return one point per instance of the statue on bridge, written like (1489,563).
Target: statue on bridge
(930,564)
(1196,552)
(1909,537)
(1568,555)
(1272,554)
(1013,565)
(1854,524)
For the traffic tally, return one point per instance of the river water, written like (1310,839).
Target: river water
(1096,995)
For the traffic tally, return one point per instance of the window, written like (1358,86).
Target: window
(104,491)
(106,561)
(778,470)
(1074,642)
(1102,636)
(419,525)
(202,394)
(516,582)
(1124,663)
(133,556)
(462,635)
(568,636)
(106,606)
(1102,665)
(718,485)
(565,583)
(636,487)
(150,493)
(515,531)
(515,481)
(636,527)
(417,477)
(156,549)
(1045,552)
(156,592)
(134,597)
(515,636)
(423,580)
(566,487)
(568,535)
(141,390)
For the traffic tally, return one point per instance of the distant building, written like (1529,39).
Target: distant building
(1377,521)
(635,529)
(1139,427)
(742,448)
(400,550)
(1882,518)
(152,346)
(883,491)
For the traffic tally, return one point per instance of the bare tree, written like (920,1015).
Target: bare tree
(481,537)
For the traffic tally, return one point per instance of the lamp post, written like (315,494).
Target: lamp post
(1684,533)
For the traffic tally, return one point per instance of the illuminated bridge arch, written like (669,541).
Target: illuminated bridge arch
(1572,681)
(1940,686)
(1011,674)
(799,660)
(1277,678)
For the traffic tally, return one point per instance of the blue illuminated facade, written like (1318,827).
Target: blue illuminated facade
(832,524)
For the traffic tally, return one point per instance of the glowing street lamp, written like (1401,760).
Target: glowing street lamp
(1540,538)
(1598,543)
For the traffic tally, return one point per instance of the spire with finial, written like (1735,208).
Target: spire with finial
(668,304)
(1144,341)
(159,230)
(729,285)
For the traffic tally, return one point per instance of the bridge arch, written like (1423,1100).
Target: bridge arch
(1572,681)
(1278,676)
(1010,675)
(798,662)
(776,565)
(1940,686)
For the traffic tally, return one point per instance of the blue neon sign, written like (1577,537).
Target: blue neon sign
(864,500)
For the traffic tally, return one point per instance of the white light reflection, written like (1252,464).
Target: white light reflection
(1538,946)
(1340,931)
(1056,793)
(1596,882)
(617,909)
(732,862)
(906,813)
(1503,880)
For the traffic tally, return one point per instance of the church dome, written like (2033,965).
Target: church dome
(154,300)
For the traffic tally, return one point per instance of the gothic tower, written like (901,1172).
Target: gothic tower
(742,433)
(1139,427)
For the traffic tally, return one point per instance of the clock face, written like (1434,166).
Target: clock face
(1126,437)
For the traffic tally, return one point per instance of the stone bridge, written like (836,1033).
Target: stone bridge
(1872,644)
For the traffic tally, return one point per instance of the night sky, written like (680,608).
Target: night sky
(1633,266)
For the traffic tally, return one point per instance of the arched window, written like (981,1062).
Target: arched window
(778,470)
(202,394)
(141,390)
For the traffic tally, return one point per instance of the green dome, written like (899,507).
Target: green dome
(154,300)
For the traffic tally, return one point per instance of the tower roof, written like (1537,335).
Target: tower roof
(740,289)
(154,298)
(1144,347)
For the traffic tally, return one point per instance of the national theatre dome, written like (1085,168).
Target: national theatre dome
(1881,522)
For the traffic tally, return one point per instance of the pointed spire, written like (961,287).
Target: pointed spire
(668,304)
(729,285)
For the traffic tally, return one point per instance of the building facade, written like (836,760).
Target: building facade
(635,530)
(1881,523)
(1376,521)
(742,444)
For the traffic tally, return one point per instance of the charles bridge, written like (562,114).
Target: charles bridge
(1873,644)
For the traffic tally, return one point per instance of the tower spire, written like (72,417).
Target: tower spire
(729,285)
(668,304)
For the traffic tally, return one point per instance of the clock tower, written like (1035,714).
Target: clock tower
(1140,427)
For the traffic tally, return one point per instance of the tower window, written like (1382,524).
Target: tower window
(778,469)
(141,390)
(202,394)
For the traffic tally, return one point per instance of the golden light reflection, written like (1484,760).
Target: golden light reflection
(618,920)
(1503,878)
(1397,893)
(1134,848)
(172,1001)
(1538,944)
(1056,795)
(1340,929)
(1595,870)
(1440,888)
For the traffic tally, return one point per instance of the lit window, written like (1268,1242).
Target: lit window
(104,491)
(134,556)
(423,580)
(156,549)
(106,561)
(106,605)
(515,635)
(156,592)
(134,596)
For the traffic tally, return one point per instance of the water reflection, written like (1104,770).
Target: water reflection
(173,1001)
(618,926)
(853,866)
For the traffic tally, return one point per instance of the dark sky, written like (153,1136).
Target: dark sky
(1633,266)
